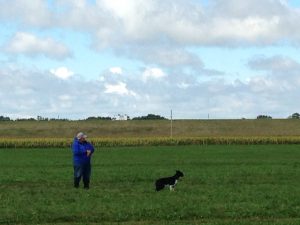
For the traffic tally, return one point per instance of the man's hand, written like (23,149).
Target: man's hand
(88,152)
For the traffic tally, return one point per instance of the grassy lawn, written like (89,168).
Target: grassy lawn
(222,185)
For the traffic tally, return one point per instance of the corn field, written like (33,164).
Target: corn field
(115,142)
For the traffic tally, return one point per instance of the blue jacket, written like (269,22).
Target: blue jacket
(80,152)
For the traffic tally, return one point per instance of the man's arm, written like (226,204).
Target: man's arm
(90,149)
(77,150)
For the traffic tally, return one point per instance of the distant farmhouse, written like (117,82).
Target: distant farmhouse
(121,117)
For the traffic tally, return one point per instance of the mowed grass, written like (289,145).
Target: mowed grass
(222,185)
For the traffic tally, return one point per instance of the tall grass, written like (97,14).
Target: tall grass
(145,129)
(116,142)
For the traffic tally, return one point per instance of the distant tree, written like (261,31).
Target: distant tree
(25,119)
(4,118)
(263,117)
(58,119)
(40,118)
(149,117)
(295,116)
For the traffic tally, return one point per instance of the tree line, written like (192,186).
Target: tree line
(147,117)
(40,118)
(293,116)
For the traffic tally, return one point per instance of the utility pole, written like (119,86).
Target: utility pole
(171,124)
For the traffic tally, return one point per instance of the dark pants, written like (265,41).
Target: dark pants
(83,171)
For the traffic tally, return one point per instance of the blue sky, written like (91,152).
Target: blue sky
(74,59)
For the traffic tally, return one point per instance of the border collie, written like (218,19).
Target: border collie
(171,181)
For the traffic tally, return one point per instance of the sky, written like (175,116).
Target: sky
(217,59)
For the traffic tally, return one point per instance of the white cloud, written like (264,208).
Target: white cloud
(27,12)
(183,85)
(162,37)
(167,56)
(248,30)
(120,89)
(65,97)
(228,23)
(153,74)
(33,92)
(29,44)
(276,63)
(62,73)
(116,70)
(115,23)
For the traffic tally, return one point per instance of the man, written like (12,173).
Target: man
(82,152)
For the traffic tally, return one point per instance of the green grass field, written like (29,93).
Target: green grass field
(222,185)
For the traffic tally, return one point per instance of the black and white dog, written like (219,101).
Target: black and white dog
(171,181)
